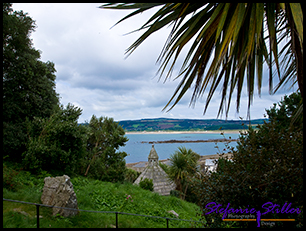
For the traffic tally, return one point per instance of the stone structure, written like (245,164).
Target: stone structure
(161,183)
(58,191)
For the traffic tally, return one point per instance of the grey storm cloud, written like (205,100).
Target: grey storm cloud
(94,74)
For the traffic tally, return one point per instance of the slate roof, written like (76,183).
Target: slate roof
(161,183)
(153,153)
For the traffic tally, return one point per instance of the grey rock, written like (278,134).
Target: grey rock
(58,191)
(173,212)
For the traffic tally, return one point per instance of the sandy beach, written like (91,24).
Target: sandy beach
(188,132)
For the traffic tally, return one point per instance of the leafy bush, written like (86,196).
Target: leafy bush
(10,181)
(176,193)
(146,184)
(79,182)
(131,175)
(266,167)
(111,168)
(57,143)
(15,178)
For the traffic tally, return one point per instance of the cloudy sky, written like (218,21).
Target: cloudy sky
(94,74)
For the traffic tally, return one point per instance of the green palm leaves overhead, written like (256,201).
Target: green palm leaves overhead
(229,44)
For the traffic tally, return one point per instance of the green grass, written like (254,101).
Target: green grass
(98,196)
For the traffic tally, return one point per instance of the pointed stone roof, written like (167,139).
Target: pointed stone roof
(153,154)
(161,183)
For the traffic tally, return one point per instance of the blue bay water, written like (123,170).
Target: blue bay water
(138,151)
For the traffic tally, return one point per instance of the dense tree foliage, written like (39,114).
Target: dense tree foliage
(285,109)
(103,159)
(56,144)
(39,132)
(28,83)
(266,167)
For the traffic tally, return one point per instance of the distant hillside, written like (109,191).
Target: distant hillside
(165,124)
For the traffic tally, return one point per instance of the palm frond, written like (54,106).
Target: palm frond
(227,46)
(297,14)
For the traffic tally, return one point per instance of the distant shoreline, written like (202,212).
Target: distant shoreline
(187,132)
(202,160)
(187,141)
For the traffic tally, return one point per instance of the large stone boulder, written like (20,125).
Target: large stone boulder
(58,191)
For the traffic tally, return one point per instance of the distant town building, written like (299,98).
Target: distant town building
(210,165)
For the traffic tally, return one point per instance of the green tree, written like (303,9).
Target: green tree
(266,167)
(284,110)
(104,161)
(183,164)
(28,83)
(56,143)
(228,42)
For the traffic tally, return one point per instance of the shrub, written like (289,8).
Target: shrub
(10,181)
(146,184)
(15,178)
(131,175)
(176,193)
(109,167)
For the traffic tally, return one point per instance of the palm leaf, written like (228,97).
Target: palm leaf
(228,45)
(271,21)
(297,14)
(142,7)
(180,39)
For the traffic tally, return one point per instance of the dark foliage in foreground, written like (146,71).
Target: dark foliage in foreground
(266,167)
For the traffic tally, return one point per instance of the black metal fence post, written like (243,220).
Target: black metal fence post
(167,222)
(37,214)
(116,219)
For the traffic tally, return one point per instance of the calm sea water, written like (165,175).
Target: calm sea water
(138,151)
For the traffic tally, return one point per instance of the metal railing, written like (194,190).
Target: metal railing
(90,211)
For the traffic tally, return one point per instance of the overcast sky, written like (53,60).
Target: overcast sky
(94,74)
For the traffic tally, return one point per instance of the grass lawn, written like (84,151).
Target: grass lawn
(97,196)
